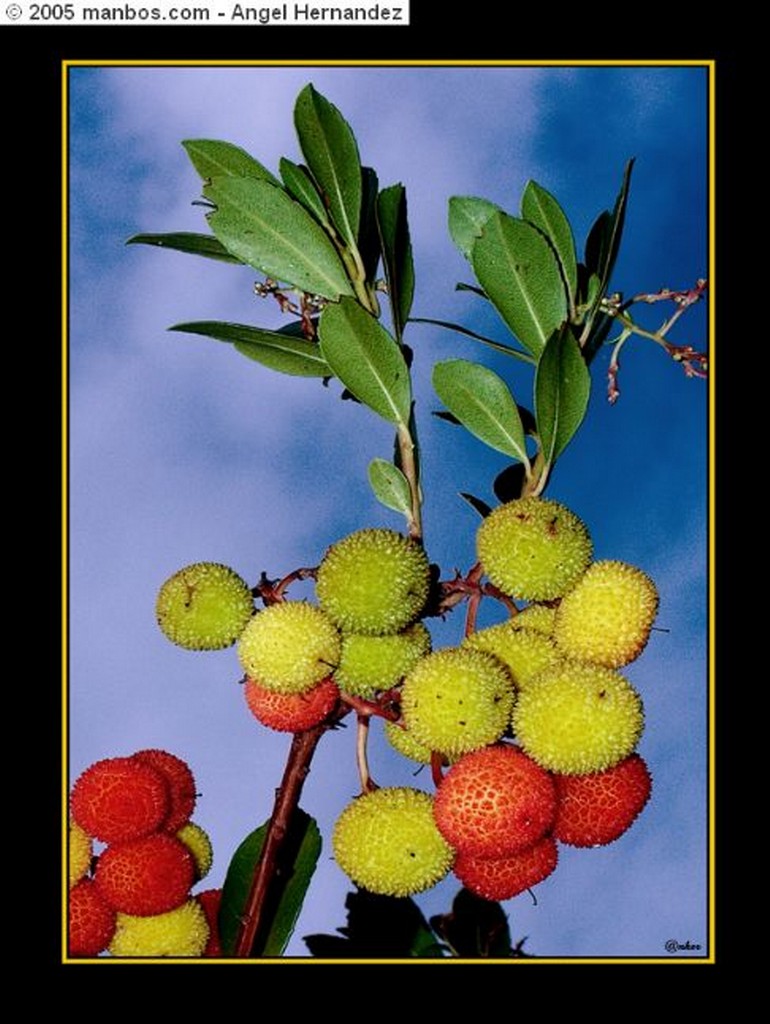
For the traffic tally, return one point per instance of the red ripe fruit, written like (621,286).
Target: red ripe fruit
(596,809)
(91,921)
(146,876)
(502,878)
(120,799)
(494,802)
(211,900)
(291,712)
(181,784)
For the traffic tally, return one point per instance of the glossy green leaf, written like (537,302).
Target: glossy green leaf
(299,856)
(190,242)
(390,486)
(496,345)
(397,253)
(540,208)
(603,242)
(518,270)
(367,360)
(300,185)
(330,149)
(467,217)
(483,404)
(282,350)
(267,229)
(562,387)
(212,158)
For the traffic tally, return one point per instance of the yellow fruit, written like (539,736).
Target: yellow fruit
(524,652)
(533,548)
(575,718)
(81,850)
(457,700)
(180,932)
(371,663)
(607,617)
(204,607)
(289,647)
(387,842)
(198,843)
(374,581)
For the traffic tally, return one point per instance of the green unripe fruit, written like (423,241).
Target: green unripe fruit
(373,582)
(204,607)
(289,647)
(371,663)
(533,549)
(180,932)
(524,652)
(607,617)
(403,741)
(457,700)
(576,718)
(539,618)
(387,842)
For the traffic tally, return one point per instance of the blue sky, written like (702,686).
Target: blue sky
(181,450)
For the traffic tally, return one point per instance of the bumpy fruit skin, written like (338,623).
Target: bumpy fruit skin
(502,878)
(211,900)
(291,712)
(575,718)
(81,850)
(373,582)
(597,809)
(540,618)
(457,699)
(91,920)
(289,647)
(146,876)
(607,617)
(197,841)
(204,607)
(404,742)
(494,802)
(120,798)
(387,842)
(533,548)
(181,785)
(371,663)
(180,932)
(524,652)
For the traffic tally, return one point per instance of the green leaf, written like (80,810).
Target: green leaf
(298,861)
(496,345)
(188,241)
(214,159)
(476,504)
(378,927)
(397,253)
(483,404)
(467,217)
(300,185)
(367,360)
(519,272)
(330,149)
(562,387)
(540,208)
(475,928)
(267,229)
(603,242)
(279,350)
(368,232)
(390,486)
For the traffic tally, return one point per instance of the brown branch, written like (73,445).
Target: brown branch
(286,801)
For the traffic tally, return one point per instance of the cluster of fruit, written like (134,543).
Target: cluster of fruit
(134,898)
(536,727)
